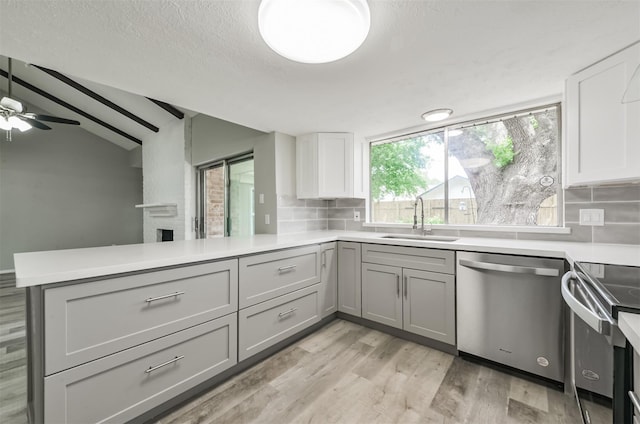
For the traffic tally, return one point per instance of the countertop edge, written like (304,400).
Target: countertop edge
(41,268)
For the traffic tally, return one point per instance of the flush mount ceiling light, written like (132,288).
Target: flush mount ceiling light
(437,115)
(314,31)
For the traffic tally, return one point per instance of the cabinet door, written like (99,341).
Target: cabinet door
(429,305)
(335,165)
(382,294)
(602,132)
(329,278)
(307,166)
(349,281)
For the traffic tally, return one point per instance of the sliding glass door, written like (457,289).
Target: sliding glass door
(226,198)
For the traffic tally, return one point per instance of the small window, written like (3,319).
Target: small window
(498,171)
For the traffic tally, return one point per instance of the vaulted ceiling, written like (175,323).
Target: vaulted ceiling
(208,56)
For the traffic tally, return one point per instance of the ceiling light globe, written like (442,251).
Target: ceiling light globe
(437,115)
(314,31)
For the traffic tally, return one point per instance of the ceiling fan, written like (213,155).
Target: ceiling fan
(13,114)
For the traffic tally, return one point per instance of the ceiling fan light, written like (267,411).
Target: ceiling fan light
(19,124)
(4,124)
(12,104)
(314,31)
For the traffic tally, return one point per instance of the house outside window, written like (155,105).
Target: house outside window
(497,171)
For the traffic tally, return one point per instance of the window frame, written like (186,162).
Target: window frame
(201,170)
(467,123)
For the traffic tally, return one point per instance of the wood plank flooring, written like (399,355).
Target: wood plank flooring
(346,373)
(13,352)
(343,373)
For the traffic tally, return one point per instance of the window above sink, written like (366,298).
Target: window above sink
(496,171)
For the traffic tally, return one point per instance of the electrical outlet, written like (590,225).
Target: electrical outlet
(261,198)
(356,216)
(267,219)
(593,217)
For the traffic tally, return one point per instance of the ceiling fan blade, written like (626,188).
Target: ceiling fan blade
(35,124)
(48,118)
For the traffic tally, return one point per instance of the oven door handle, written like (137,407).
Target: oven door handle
(590,317)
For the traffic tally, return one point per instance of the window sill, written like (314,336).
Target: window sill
(488,228)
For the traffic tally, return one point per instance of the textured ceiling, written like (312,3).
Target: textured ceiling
(207,56)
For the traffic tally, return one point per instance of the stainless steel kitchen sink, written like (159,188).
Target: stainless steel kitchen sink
(417,237)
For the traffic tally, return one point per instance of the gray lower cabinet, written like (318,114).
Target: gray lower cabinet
(127,311)
(270,322)
(269,275)
(124,385)
(329,278)
(349,278)
(414,300)
(429,305)
(382,294)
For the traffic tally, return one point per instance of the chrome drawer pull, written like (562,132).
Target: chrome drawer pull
(285,313)
(153,299)
(164,364)
(635,400)
(286,268)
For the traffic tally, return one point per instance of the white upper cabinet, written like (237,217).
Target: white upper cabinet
(603,133)
(329,166)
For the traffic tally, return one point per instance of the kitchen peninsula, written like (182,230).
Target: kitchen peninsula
(156,323)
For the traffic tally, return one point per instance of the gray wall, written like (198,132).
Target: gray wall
(274,162)
(65,188)
(213,138)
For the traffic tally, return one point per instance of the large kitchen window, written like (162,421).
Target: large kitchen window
(496,171)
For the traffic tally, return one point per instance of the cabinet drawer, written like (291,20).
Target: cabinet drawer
(410,257)
(264,325)
(269,275)
(122,386)
(87,321)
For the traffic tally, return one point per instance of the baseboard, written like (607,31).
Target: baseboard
(401,334)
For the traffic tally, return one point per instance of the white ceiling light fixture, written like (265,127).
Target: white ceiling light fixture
(314,31)
(437,115)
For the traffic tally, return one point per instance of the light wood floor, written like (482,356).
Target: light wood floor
(13,352)
(346,373)
(343,373)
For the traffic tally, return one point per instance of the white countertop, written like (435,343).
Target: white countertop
(629,323)
(37,268)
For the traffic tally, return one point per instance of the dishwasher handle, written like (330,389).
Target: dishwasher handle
(490,266)
(590,317)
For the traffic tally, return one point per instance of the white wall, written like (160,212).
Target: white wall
(65,188)
(168,178)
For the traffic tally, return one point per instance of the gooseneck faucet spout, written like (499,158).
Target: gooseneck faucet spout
(415,215)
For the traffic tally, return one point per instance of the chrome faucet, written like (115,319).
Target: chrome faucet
(415,216)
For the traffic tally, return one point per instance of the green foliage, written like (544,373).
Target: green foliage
(395,168)
(534,122)
(434,220)
(502,151)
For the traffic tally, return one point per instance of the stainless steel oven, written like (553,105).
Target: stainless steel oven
(601,358)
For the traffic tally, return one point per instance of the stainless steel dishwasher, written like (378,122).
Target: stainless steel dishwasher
(509,310)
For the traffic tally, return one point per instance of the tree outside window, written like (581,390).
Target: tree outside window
(500,172)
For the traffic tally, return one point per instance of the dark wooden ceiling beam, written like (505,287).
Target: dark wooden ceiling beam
(69,106)
(84,90)
(169,108)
